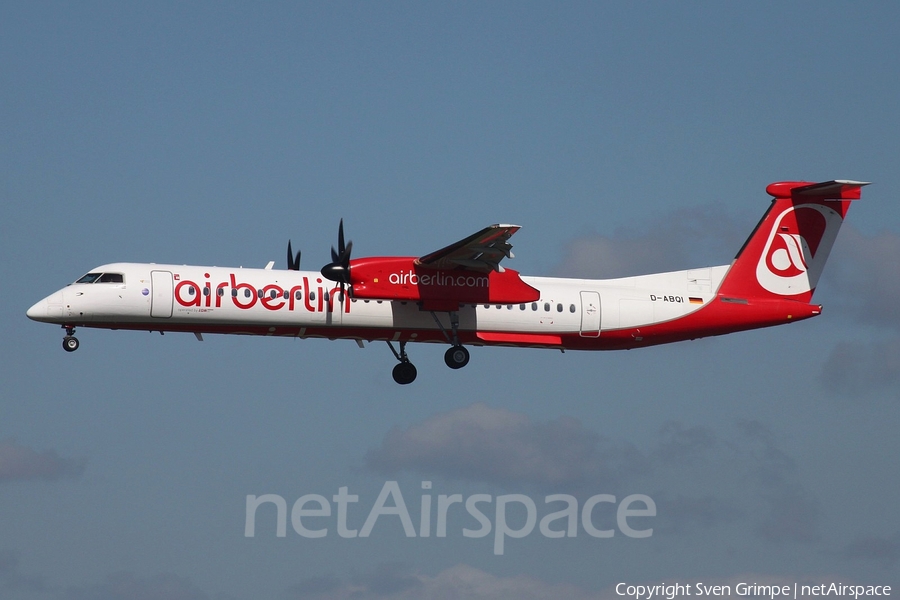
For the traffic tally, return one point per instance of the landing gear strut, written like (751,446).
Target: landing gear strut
(70,342)
(404,372)
(456,356)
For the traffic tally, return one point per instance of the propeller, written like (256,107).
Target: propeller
(339,268)
(293,262)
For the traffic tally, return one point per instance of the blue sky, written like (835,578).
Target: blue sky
(624,138)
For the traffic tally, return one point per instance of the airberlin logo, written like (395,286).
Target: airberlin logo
(438,279)
(791,262)
(311,297)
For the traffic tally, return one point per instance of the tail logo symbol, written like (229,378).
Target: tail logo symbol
(786,256)
(791,262)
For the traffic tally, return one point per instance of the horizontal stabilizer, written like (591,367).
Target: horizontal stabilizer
(838,189)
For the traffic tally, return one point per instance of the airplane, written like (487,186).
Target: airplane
(461,295)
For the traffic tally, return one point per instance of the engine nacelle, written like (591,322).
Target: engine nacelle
(402,278)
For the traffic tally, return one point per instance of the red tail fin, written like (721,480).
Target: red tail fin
(785,254)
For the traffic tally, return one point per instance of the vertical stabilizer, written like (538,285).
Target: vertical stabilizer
(786,253)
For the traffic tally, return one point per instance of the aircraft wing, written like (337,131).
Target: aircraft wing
(481,251)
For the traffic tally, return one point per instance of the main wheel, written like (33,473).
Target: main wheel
(456,357)
(70,343)
(405,372)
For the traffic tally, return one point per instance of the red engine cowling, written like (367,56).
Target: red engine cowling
(402,278)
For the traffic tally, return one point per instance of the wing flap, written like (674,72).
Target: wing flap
(481,251)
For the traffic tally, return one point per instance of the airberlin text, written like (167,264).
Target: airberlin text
(598,515)
(311,297)
(439,279)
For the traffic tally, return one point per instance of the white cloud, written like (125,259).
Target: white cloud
(19,462)
(683,239)
(461,581)
(689,470)
(464,581)
(881,550)
(865,272)
(499,446)
(855,369)
(127,586)
(12,579)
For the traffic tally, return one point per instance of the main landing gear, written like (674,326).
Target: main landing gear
(70,342)
(456,356)
(405,372)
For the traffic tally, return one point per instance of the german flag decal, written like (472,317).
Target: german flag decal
(696,300)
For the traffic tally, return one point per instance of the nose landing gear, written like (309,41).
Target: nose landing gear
(70,342)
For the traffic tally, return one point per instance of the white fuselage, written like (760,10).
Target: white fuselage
(301,303)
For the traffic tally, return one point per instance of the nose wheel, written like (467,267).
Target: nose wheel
(70,342)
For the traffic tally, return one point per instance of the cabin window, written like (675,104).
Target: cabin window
(206,291)
(546,307)
(90,278)
(509,306)
(521,307)
(259,293)
(102,278)
(220,292)
(286,295)
(325,297)
(534,306)
(191,290)
(487,305)
(273,294)
(247,293)
(559,308)
(234,292)
(298,295)
(312,296)
(571,308)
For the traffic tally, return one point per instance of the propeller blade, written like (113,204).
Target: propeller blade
(339,268)
(293,261)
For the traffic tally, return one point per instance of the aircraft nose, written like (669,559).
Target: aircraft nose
(38,311)
(43,311)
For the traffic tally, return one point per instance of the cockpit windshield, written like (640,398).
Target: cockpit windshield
(102,278)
